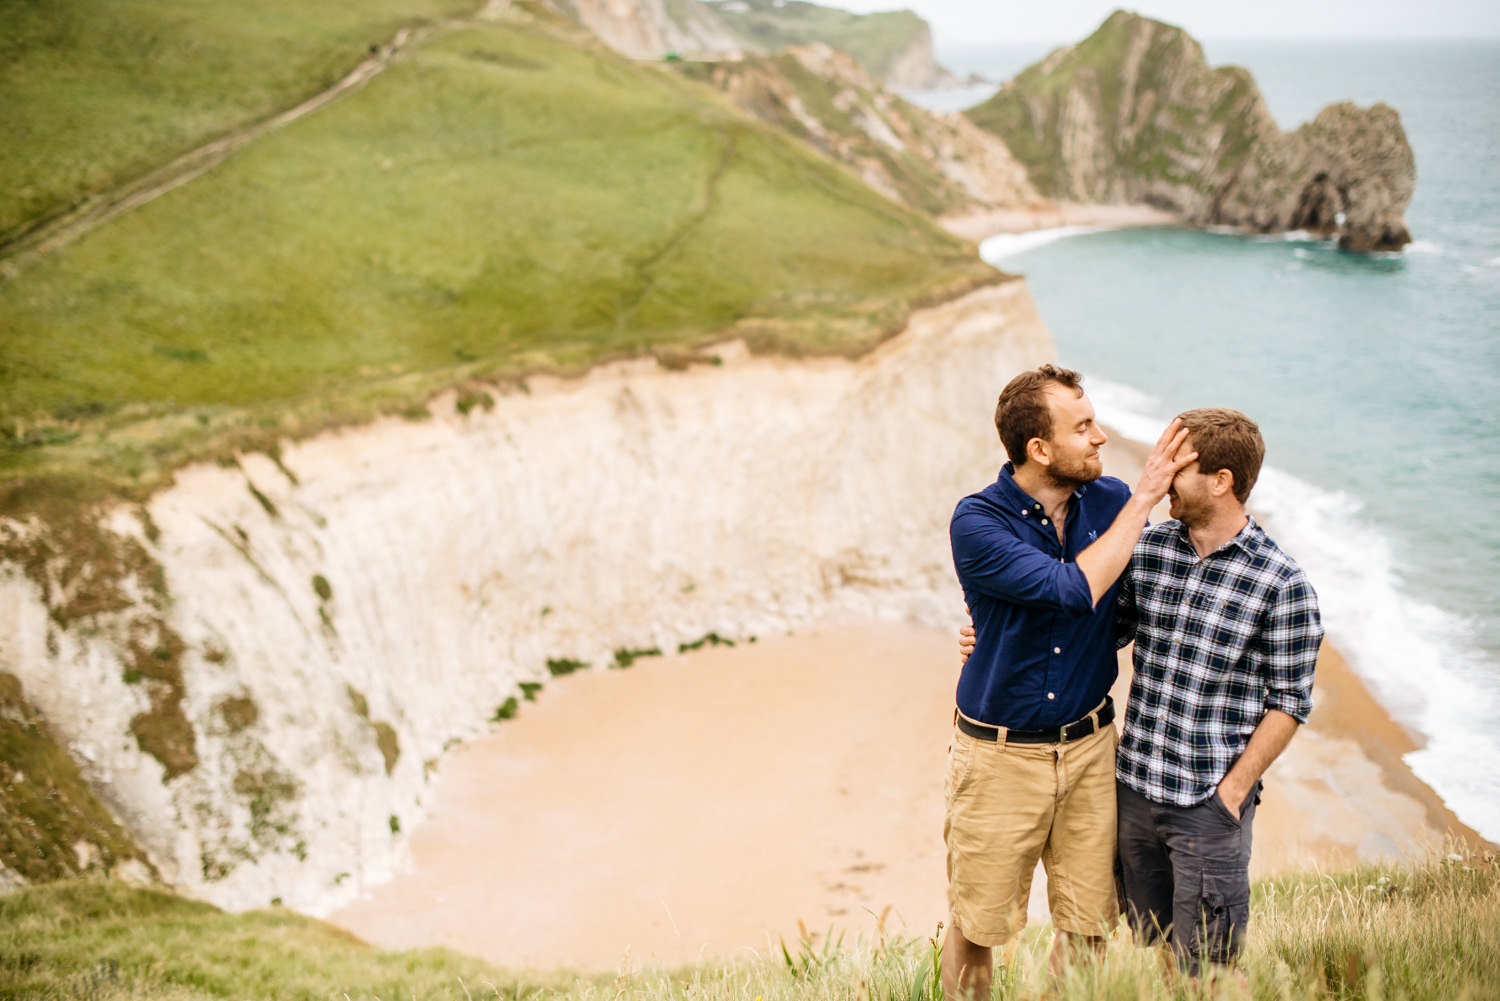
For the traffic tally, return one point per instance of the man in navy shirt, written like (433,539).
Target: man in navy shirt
(1031,771)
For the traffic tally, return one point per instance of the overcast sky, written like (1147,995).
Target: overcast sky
(956,22)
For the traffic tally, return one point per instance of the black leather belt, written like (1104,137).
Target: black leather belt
(1089,725)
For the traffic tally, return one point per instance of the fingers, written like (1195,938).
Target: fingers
(1181,454)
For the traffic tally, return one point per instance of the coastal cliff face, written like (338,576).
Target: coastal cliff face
(914,67)
(651,29)
(1134,114)
(936,163)
(296,640)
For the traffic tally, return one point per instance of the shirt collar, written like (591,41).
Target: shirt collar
(1250,538)
(1018,498)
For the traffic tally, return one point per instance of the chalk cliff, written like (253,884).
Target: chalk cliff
(300,638)
(651,29)
(1134,114)
(895,46)
(941,164)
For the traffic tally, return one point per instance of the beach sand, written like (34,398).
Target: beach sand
(977,226)
(713,803)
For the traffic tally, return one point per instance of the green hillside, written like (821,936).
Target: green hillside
(500,200)
(91,92)
(873,39)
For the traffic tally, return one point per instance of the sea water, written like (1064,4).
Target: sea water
(1374,377)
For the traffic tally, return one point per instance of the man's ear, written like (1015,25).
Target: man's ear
(1223,483)
(1036,451)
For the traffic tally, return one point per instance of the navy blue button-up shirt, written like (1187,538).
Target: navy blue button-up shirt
(1045,654)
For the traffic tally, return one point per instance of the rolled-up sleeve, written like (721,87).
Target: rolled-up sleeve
(990,559)
(1290,640)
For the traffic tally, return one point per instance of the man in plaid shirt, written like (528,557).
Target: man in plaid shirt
(1226,633)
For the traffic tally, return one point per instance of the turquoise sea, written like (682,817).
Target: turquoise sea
(1375,378)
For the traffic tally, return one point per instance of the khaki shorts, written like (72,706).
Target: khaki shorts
(1012,804)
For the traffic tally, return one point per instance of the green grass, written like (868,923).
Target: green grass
(499,201)
(99,91)
(873,39)
(1429,931)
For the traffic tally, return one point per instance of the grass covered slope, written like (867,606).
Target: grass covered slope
(499,200)
(1431,931)
(51,824)
(94,91)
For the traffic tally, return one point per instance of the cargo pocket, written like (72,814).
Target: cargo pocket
(1226,909)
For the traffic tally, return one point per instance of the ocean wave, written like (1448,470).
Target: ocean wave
(998,248)
(1416,657)
(1424,247)
(1294,236)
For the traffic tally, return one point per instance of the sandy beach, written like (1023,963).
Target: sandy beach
(1052,215)
(715,802)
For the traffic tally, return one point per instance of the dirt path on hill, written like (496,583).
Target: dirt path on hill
(98,209)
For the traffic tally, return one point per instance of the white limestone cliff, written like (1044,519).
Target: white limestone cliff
(634,507)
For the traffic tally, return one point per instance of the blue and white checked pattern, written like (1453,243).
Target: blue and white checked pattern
(1218,641)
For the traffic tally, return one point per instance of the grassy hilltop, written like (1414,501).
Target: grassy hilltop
(504,198)
(97,91)
(1431,931)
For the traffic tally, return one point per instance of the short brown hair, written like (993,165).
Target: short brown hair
(1226,439)
(1023,414)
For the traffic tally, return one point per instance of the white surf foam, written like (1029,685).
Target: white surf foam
(997,248)
(1415,657)
(1424,247)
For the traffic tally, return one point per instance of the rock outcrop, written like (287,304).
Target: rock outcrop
(653,29)
(894,47)
(914,66)
(1134,114)
(337,616)
(941,164)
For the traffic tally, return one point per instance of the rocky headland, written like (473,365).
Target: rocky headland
(1133,114)
(941,164)
(894,47)
(653,29)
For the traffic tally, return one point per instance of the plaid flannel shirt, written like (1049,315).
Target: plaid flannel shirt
(1218,641)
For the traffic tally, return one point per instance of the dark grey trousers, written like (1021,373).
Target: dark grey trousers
(1185,874)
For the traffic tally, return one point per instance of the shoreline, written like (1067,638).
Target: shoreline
(978,226)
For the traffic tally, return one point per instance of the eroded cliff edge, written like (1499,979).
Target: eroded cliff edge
(1134,114)
(329,621)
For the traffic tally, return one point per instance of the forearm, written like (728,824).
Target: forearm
(1106,558)
(1270,738)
